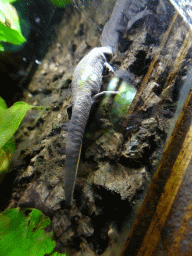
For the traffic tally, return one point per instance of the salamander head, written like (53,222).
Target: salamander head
(108,52)
(104,54)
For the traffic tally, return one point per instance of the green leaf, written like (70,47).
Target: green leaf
(3,105)
(10,120)
(4,162)
(7,150)
(10,35)
(24,235)
(6,153)
(60,3)
(10,30)
(1,48)
(8,1)
(58,254)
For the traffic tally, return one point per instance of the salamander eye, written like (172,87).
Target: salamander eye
(108,52)
(108,56)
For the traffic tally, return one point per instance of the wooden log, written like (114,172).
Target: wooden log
(164,222)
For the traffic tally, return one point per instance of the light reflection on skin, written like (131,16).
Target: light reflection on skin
(87,73)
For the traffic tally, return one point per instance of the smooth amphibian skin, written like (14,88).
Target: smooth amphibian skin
(110,33)
(86,83)
(120,22)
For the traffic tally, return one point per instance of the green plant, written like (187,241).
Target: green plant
(60,3)
(10,119)
(22,233)
(10,30)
